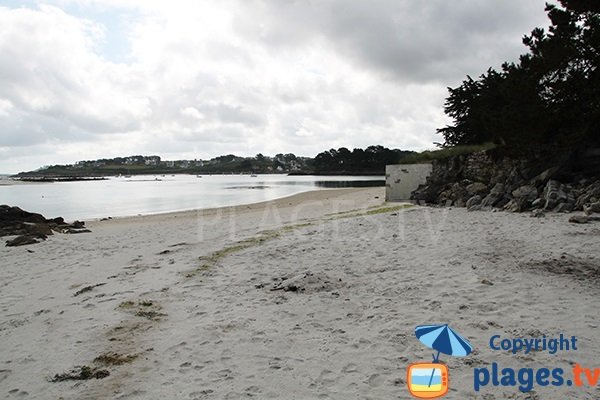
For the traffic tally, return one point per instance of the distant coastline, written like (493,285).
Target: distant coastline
(358,162)
(60,178)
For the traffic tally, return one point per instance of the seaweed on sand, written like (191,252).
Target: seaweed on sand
(82,373)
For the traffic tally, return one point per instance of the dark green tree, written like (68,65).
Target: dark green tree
(549,98)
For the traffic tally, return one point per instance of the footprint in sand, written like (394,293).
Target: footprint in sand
(4,373)
(375,380)
(350,368)
(224,374)
(326,378)
(18,392)
(202,394)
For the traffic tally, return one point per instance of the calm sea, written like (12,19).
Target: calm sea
(121,196)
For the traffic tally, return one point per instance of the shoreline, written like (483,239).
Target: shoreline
(290,200)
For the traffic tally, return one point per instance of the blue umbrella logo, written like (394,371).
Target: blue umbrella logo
(443,339)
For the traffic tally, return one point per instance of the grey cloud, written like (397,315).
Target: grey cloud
(28,129)
(435,40)
(228,114)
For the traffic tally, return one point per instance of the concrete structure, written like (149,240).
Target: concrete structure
(402,179)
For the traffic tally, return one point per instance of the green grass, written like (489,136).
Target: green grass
(213,258)
(382,210)
(374,210)
(446,152)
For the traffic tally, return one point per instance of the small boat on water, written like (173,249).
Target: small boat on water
(253,175)
(198,176)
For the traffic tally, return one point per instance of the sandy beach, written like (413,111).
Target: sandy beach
(196,305)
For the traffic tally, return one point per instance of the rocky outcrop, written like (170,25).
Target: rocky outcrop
(31,227)
(480,181)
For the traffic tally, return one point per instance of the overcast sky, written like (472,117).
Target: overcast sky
(87,79)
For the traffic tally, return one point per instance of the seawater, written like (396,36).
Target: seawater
(153,194)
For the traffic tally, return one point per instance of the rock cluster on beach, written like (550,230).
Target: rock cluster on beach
(30,227)
(480,182)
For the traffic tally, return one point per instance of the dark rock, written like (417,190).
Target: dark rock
(543,177)
(8,213)
(590,194)
(473,201)
(564,207)
(78,225)
(559,183)
(22,241)
(40,230)
(502,202)
(477,188)
(514,205)
(579,219)
(497,189)
(73,231)
(455,195)
(490,200)
(17,222)
(592,208)
(554,194)
(495,196)
(527,192)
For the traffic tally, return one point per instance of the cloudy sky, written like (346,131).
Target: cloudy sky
(86,79)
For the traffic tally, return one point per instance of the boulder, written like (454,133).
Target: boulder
(14,221)
(28,227)
(516,205)
(554,194)
(592,208)
(526,192)
(495,196)
(564,207)
(502,202)
(71,230)
(473,201)
(456,195)
(498,189)
(21,240)
(543,177)
(8,213)
(579,219)
(590,194)
(477,188)
(40,230)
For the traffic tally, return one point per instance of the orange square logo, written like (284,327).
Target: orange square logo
(427,380)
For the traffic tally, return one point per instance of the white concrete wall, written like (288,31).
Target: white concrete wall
(401,180)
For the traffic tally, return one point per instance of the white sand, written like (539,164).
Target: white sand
(219,332)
